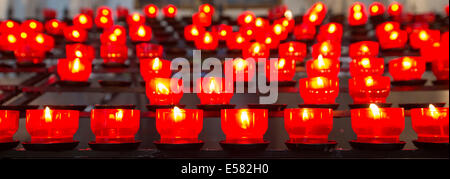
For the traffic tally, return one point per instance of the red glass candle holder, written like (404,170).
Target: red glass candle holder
(114,53)
(52,126)
(423,37)
(104,11)
(296,50)
(151,11)
(54,27)
(223,31)
(75,34)
(385,28)
(319,90)
(115,125)
(288,24)
(8,26)
(357,14)
(154,68)
(256,50)
(406,68)
(243,69)
(9,41)
(9,123)
(270,40)
(214,91)
(26,53)
(376,9)
(308,125)
(313,18)
(42,41)
(170,11)
(207,41)
(367,66)
(440,68)
(201,19)
(261,23)
(135,19)
(192,32)
(364,49)
(74,69)
(206,8)
(432,52)
(83,21)
(164,91)
(32,26)
(378,125)
(237,41)
(327,49)
(248,31)
(323,67)
(370,89)
(393,39)
(246,18)
(279,31)
(109,37)
(179,126)
(104,22)
(395,9)
(140,33)
(80,51)
(244,126)
(430,124)
(330,32)
(304,31)
(148,50)
(285,67)
(445,45)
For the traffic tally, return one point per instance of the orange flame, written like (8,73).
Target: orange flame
(156,64)
(375,111)
(178,114)
(162,89)
(245,121)
(47,115)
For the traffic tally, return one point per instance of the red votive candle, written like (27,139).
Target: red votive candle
(270,40)
(8,26)
(378,125)
(54,27)
(148,50)
(114,125)
(246,18)
(370,89)
(319,90)
(261,24)
(308,125)
(75,34)
(160,91)
(364,49)
(243,70)
(248,31)
(80,51)
(111,36)
(135,19)
(192,32)
(430,124)
(395,9)
(74,69)
(327,49)
(214,90)
(331,31)
(288,24)
(367,66)
(170,11)
(279,31)
(386,28)
(104,22)
(83,21)
(237,41)
(244,126)
(140,33)
(114,53)
(32,26)
(285,67)
(9,41)
(357,14)
(26,53)
(207,41)
(296,50)
(432,52)
(223,31)
(206,8)
(151,11)
(423,37)
(154,68)
(304,31)
(9,123)
(323,67)
(52,126)
(376,9)
(393,39)
(179,126)
(256,50)
(406,68)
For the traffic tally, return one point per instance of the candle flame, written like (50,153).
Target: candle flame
(433,111)
(113,37)
(395,7)
(245,121)
(313,17)
(249,32)
(11,38)
(117,32)
(375,111)
(55,24)
(136,17)
(406,63)
(9,24)
(141,31)
(305,115)
(369,81)
(75,33)
(288,14)
(374,9)
(318,8)
(277,29)
(240,64)
(207,39)
(393,36)
(33,25)
(78,54)
(258,22)
(365,62)
(331,28)
(162,89)
(357,15)
(151,10)
(76,66)
(24,35)
(82,19)
(268,40)
(171,10)
(423,35)
(212,86)
(256,49)
(105,12)
(156,64)
(357,7)
(39,39)
(239,39)
(325,47)
(47,115)
(103,20)
(318,83)
(320,62)
(223,33)
(119,115)
(285,23)
(178,114)
(194,31)
(364,48)
(206,9)
(388,27)
(291,48)
(248,19)
(281,63)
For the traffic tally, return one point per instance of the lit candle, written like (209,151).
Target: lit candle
(80,51)
(357,15)
(364,49)
(376,9)
(192,32)
(330,32)
(151,11)
(296,50)
(104,21)
(386,27)
(243,70)
(246,18)
(323,67)
(111,125)
(154,68)
(214,90)
(285,67)
(280,31)
(256,50)
(223,31)
(237,41)
(9,41)
(269,39)
(135,19)
(327,49)
(319,90)
(206,8)
(288,24)
(43,42)
(170,11)
(431,124)
(261,23)
(393,39)
(9,123)
(406,68)
(113,53)
(378,125)
(75,34)
(115,35)
(51,126)
(83,21)
(207,41)
(248,32)
(32,26)
(370,89)
(395,9)
(179,126)
(54,27)
(244,126)
(304,31)
(367,66)
(423,37)
(140,33)
(308,125)
(74,69)
(160,91)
